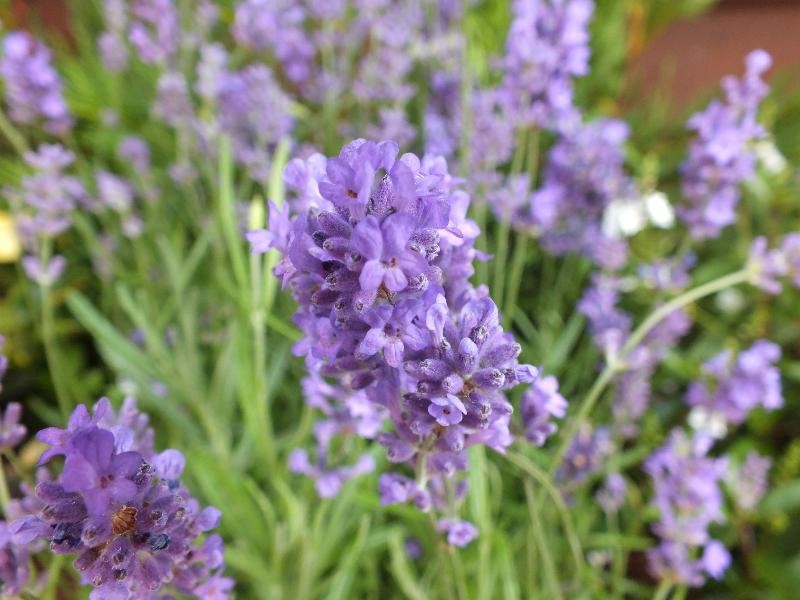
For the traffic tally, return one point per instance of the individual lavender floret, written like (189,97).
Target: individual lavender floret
(589,449)
(14,570)
(611,496)
(584,173)
(539,405)
(136,151)
(459,533)
(547,46)
(749,482)
(32,85)
(134,527)
(608,324)
(687,494)
(722,155)
(12,432)
(255,113)
(766,267)
(43,207)
(155,30)
(734,387)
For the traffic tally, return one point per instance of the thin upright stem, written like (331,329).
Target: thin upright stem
(51,350)
(634,340)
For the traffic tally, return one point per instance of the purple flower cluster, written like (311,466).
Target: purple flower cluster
(547,46)
(111,43)
(723,155)
(584,174)
(155,30)
(750,481)
(120,507)
(732,387)
(379,257)
(43,207)
(585,456)
(687,494)
(32,85)
(541,403)
(766,267)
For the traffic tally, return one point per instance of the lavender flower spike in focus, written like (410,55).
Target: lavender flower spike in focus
(723,154)
(378,253)
(122,510)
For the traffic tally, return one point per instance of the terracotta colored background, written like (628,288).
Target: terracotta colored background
(691,55)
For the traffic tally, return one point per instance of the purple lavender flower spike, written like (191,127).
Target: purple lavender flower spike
(123,511)
(13,564)
(766,267)
(687,493)
(750,481)
(32,85)
(583,175)
(155,30)
(722,155)
(378,252)
(733,387)
(585,456)
(611,496)
(547,46)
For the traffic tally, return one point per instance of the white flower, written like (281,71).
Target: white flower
(659,210)
(624,218)
(769,156)
(705,421)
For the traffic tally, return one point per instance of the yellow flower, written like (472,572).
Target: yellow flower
(10,249)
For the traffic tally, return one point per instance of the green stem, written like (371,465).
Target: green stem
(544,551)
(53,579)
(664,588)
(514,279)
(5,496)
(51,350)
(12,134)
(636,337)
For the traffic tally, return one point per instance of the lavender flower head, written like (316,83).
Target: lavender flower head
(723,154)
(120,507)
(687,494)
(378,257)
(32,85)
(766,267)
(732,387)
(155,30)
(547,46)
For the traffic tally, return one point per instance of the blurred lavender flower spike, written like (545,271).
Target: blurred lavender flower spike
(173,104)
(12,432)
(122,509)
(687,494)
(155,30)
(734,387)
(723,154)
(749,481)
(611,496)
(547,46)
(790,249)
(589,449)
(765,267)
(112,43)
(583,176)
(32,85)
(539,405)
